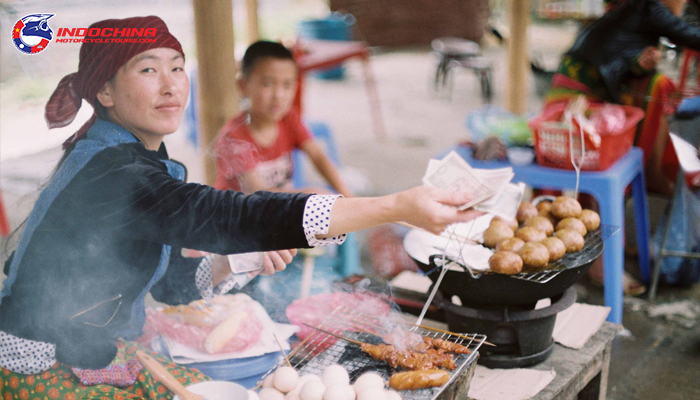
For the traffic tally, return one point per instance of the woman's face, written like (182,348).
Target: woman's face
(148,94)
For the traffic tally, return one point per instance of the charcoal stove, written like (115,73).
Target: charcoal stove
(503,306)
(521,333)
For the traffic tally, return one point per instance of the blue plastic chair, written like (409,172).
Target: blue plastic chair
(608,188)
(348,260)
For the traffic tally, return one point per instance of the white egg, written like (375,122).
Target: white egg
(371,393)
(306,378)
(335,375)
(252,395)
(267,383)
(369,380)
(312,390)
(270,394)
(339,392)
(393,395)
(293,395)
(285,379)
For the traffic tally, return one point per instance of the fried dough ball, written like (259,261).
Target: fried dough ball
(534,255)
(572,240)
(506,262)
(574,224)
(530,234)
(591,219)
(541,224)
(511,244)
(512,224)
(525,211)
(496,233)
(565,207)
(544,207)
(556,248)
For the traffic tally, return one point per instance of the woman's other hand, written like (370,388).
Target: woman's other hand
(276,261)
(650,58)
(433,209)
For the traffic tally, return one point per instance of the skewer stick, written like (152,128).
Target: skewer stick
(334,335)
(282,350)
(449,333)
(424,327)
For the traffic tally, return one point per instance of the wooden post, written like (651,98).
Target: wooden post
(251,9)
(518,63)
(218,92)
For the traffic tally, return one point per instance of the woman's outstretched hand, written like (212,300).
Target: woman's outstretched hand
(433,209)
(425,207)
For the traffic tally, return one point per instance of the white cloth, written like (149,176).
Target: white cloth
(26,356)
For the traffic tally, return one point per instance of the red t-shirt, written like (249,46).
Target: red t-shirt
(237,152)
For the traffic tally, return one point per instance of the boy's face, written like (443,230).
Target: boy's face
(271,88)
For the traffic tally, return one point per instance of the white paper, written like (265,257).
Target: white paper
(182,354)
(410,280)
(508,384)
(687,154)
(575,325)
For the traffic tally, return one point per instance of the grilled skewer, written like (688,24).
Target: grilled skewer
(401,359)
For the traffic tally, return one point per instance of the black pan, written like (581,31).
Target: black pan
(497,289)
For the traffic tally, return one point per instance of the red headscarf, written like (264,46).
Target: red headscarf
(98,63)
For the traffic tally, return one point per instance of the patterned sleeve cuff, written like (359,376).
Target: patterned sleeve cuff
(317,218)
(203,278)
(250,265)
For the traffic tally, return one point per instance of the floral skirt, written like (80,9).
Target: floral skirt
(59,382)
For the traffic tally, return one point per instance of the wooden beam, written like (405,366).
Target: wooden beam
(218,92)
(518,63)
(251,9)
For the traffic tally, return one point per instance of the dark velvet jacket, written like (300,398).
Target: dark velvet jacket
(101,240)
(613,42)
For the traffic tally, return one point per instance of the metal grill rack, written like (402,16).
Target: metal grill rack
(592,248)
(320,350)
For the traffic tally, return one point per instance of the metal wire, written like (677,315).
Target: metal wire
(593,246)
(321,350)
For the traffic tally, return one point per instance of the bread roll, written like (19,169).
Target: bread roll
(534,255)
(541,224)
(591,219)
(565,207)
(495,233)
(511,244)
(574,224)
(556,248)
(572,240)
(506,262)
(525,211)
(530,234)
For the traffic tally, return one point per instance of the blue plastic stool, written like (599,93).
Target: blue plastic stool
(348,252)
(608,188)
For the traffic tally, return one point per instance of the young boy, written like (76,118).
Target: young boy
(254,149)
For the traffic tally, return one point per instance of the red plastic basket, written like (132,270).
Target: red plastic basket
(552,140)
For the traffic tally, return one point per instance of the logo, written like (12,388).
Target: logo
(32,33)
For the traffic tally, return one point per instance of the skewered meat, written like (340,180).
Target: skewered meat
(413,380)
(446,345)
(421,344)
(408,359)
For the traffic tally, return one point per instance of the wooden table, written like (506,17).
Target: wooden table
(581,374)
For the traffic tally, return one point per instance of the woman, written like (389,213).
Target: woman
(109,228)
(614,59)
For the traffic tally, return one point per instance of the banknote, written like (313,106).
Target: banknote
(504,204)
(491,188)
(454,174)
